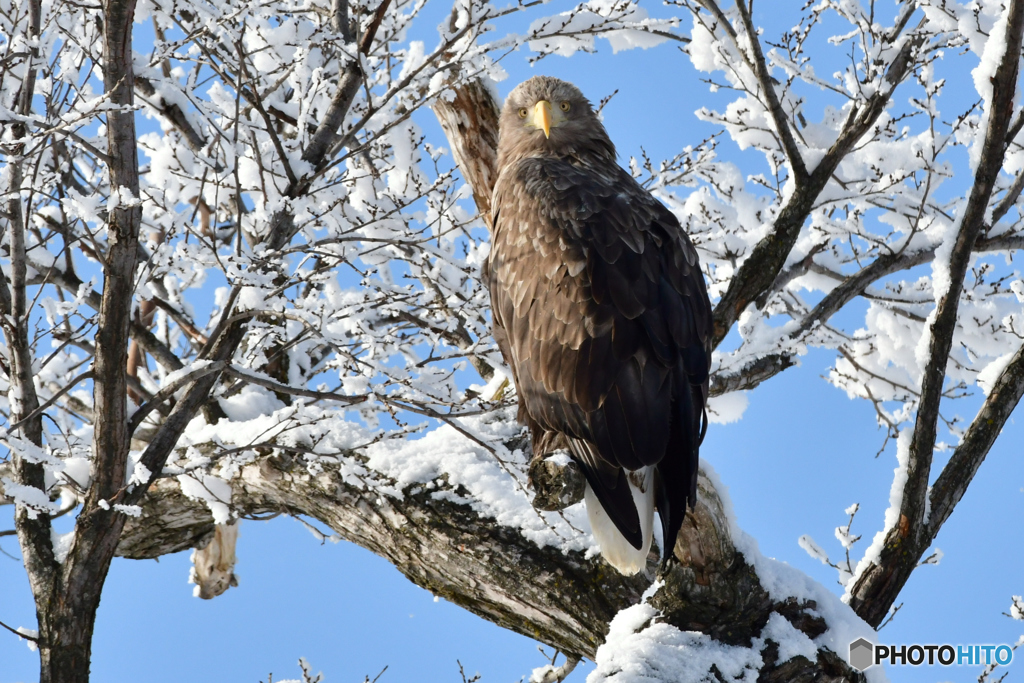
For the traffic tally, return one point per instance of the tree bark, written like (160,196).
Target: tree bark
(877,587)
(67,612)
(560,598)
(470,121)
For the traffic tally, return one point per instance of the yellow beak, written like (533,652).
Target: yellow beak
(542,117)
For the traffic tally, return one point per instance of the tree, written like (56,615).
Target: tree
(265,313)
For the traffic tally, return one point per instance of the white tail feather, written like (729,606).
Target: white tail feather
(614,547)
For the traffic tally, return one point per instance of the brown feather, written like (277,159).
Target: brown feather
(600,308)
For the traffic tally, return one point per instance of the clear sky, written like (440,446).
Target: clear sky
(802,453)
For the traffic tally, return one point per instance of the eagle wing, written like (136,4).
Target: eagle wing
(601,310)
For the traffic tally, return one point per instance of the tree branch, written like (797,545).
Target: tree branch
(751,375)
(958,473)
(33,528)
(348,85)
(759,66)
(171,113)
(560,598)
(69,282)
(470,122)
(877,587)
(754,279)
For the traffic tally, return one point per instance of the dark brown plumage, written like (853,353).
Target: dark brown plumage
(600,308)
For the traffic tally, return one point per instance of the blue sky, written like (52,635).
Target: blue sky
(802,453)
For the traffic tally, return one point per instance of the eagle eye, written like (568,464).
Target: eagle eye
(564,106)
(523,113)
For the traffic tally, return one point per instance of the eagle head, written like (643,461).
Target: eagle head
(545,116)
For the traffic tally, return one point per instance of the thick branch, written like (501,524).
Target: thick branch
(751,375)
(33,527)
(66,614)
(562,599)
(876,589)
(958,473)
(348,84)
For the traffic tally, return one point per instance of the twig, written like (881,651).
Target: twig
(19,633)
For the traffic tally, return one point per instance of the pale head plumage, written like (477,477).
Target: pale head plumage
(575,128)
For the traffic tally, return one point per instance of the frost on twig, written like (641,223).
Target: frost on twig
(1016,608)
(846,539)
(298,270)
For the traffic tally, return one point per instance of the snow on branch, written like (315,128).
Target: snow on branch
(296,266)
(444,511)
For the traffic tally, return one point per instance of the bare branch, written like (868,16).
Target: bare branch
(348,85)
(756,276)
(877,587)
(759,66)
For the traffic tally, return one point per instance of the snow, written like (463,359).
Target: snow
(727,408)
(639,651)
(792,642)
(140,474)
(899,481)
(407,230)
(988,376)
(213,491)
(61,544)
(625,25)
(783,581)
(34,500)
(31,633)
(77,470)
(812,548)
(492,487)
(560,458)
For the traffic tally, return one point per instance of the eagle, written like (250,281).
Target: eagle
(600,309)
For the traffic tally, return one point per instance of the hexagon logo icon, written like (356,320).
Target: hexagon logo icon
(862,654)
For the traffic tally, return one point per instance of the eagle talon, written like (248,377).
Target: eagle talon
(667,565)
(556,480)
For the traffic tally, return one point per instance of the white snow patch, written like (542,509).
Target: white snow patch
(792,642)
(492,488)
(560,458)
(638,651)
(61,544)
(899,481)
(213,491)
(727,407)
(130,510)
(783,581)
(35,500)
(77,471)
(812,548)
(30,633)
(988,376)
